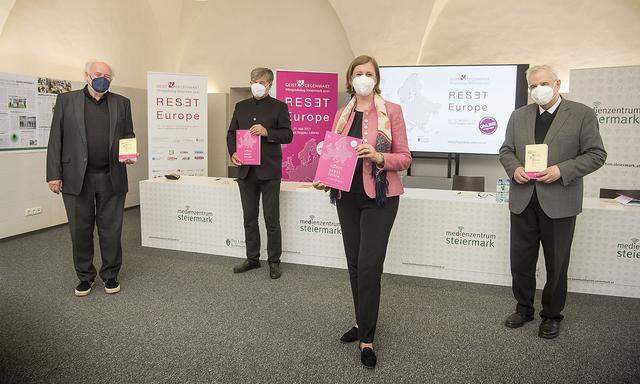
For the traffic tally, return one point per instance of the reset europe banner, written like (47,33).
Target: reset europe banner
(177,115)
(312,98)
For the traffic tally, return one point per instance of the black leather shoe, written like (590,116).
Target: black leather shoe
(245,266)
(368,358)
(350,336)
(517,320)
(274,270)
(549,329)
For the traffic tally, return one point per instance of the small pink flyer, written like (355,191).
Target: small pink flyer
(338,161)
(247,147)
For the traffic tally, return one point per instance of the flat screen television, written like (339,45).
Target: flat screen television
(455,108)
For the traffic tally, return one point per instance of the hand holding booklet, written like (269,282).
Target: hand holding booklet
(338,159)
(247,147)
(535,159)
(127,150)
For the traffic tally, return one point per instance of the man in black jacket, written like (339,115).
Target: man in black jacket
(83,165)
(269,118)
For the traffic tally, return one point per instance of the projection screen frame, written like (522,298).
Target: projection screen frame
(521,98)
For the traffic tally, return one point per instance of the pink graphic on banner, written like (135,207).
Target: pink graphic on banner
(337,161)
(247,147)
(312,98)
(488,125)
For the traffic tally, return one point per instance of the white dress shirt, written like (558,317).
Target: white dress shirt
(552,108)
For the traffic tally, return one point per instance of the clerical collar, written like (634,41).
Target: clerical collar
(258,101)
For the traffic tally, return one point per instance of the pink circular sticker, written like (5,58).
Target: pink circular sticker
(488,125)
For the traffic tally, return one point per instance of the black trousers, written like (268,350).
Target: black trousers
(96,204)
(250,190)
(365,233)
(528,230)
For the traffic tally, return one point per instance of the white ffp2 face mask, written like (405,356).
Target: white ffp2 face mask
(363,85)
(258,90)
(542,94)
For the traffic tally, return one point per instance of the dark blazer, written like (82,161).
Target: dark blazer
(274,116)
(67,151)
(575,146)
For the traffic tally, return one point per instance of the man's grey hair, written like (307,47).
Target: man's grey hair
(90,63)
(537,68)
(258,73)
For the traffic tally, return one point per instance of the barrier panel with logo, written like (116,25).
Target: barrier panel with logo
(438,234)
(614,95)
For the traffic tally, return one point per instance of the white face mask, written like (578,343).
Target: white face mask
(363,85)
(542,94)
(258,90)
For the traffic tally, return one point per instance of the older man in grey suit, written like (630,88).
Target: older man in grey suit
(83,165)
(544,210)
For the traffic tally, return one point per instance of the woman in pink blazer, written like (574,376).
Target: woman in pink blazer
(368,210)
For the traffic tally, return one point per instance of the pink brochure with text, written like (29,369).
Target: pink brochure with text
(338,160)
(247,147)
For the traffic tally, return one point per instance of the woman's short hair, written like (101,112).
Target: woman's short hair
(362,59)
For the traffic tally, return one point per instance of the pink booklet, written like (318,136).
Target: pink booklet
(338,160)
(247,147)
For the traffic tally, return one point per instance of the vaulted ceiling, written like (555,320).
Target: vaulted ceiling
(393,31)
(5,9)
(396,32)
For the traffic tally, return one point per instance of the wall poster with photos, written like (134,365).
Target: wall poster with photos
(26,110)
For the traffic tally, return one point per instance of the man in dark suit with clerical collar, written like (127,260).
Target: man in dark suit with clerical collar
(268,118)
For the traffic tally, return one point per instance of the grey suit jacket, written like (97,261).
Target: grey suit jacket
(67,151)
(575,146)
